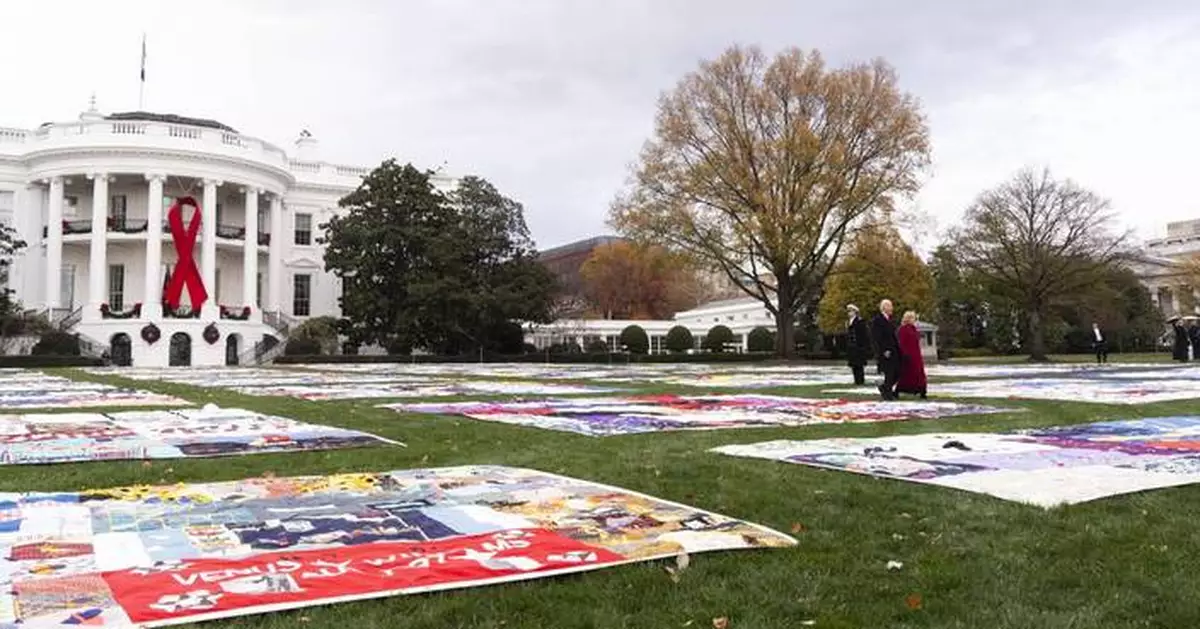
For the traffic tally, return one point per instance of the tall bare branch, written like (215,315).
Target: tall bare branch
(762,167)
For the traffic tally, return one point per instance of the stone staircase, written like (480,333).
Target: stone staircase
(264,352)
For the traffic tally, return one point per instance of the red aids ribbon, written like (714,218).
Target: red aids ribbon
(186,272)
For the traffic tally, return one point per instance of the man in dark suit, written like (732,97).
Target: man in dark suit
(858,344)
(1179,349)
(887,349)
(1099,344)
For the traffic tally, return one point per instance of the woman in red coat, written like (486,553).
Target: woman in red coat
(912,364)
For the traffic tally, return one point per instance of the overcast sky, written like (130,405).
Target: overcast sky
(552,99)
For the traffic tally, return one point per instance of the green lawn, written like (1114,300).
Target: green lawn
(974,561)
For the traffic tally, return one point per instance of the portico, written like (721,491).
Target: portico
(115,231)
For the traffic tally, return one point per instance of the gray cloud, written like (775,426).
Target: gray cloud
(551,99)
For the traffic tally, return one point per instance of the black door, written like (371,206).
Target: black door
(120,350)
(231,349)
(181,350)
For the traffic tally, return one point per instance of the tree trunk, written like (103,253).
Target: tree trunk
(785,319)
(1037,337)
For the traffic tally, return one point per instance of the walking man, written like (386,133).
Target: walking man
(858,344)
(887,349)
(1100,344)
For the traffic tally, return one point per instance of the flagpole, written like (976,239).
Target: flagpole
(142,81)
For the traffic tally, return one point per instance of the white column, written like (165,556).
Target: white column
(54,245)
(208,253)
(98,260)
(250,252)
(152,300)
(275,257)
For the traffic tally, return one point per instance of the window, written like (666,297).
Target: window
(66,287)
(216,288)
(70,206)
(220,214)
(116,287)
(116,210)
(258,290)
(301,294)
(303,229)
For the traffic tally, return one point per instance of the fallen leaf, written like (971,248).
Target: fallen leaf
(721,623)
(682,561)
(797,527)
(894,565)
(688,623)
(170,470)
(808,623)
(897,536)
(913,601)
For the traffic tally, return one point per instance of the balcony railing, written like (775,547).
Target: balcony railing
(141,226)
(142,133)
(236,232)
(230,232)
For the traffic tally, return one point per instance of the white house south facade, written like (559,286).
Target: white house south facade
(92,198)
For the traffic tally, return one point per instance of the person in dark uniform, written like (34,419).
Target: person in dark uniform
(1099,344)
(887,349)
(1179,351)
(1195,332)
(858,344)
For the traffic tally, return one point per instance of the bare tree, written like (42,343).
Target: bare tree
(761,167)
(1040,241)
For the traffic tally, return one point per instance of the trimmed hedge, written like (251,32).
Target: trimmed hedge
(718,339)
(543,357)
(302,346)
(49,360)
(635,339)
(56,343)
(679,339)
(760,339)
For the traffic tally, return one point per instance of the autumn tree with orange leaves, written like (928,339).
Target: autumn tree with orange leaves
(761,167)
(625,280)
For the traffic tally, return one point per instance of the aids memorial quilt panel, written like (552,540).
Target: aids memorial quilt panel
(317,393)
(164,434)
(602,417)
(1044,467)
(156,556)
(231,377)
(1091,389)
(22,389)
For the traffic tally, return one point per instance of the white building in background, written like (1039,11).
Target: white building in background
(90,199)
(739,315)
(1156,267)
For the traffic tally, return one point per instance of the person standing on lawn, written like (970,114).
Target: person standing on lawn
(887,349)
(912,378)
(1099,344)
(1195,330)
(858,345)
(1179,351)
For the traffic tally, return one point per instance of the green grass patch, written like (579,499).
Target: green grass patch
(974,561)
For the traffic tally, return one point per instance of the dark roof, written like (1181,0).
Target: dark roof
(147,116)
(579,246)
